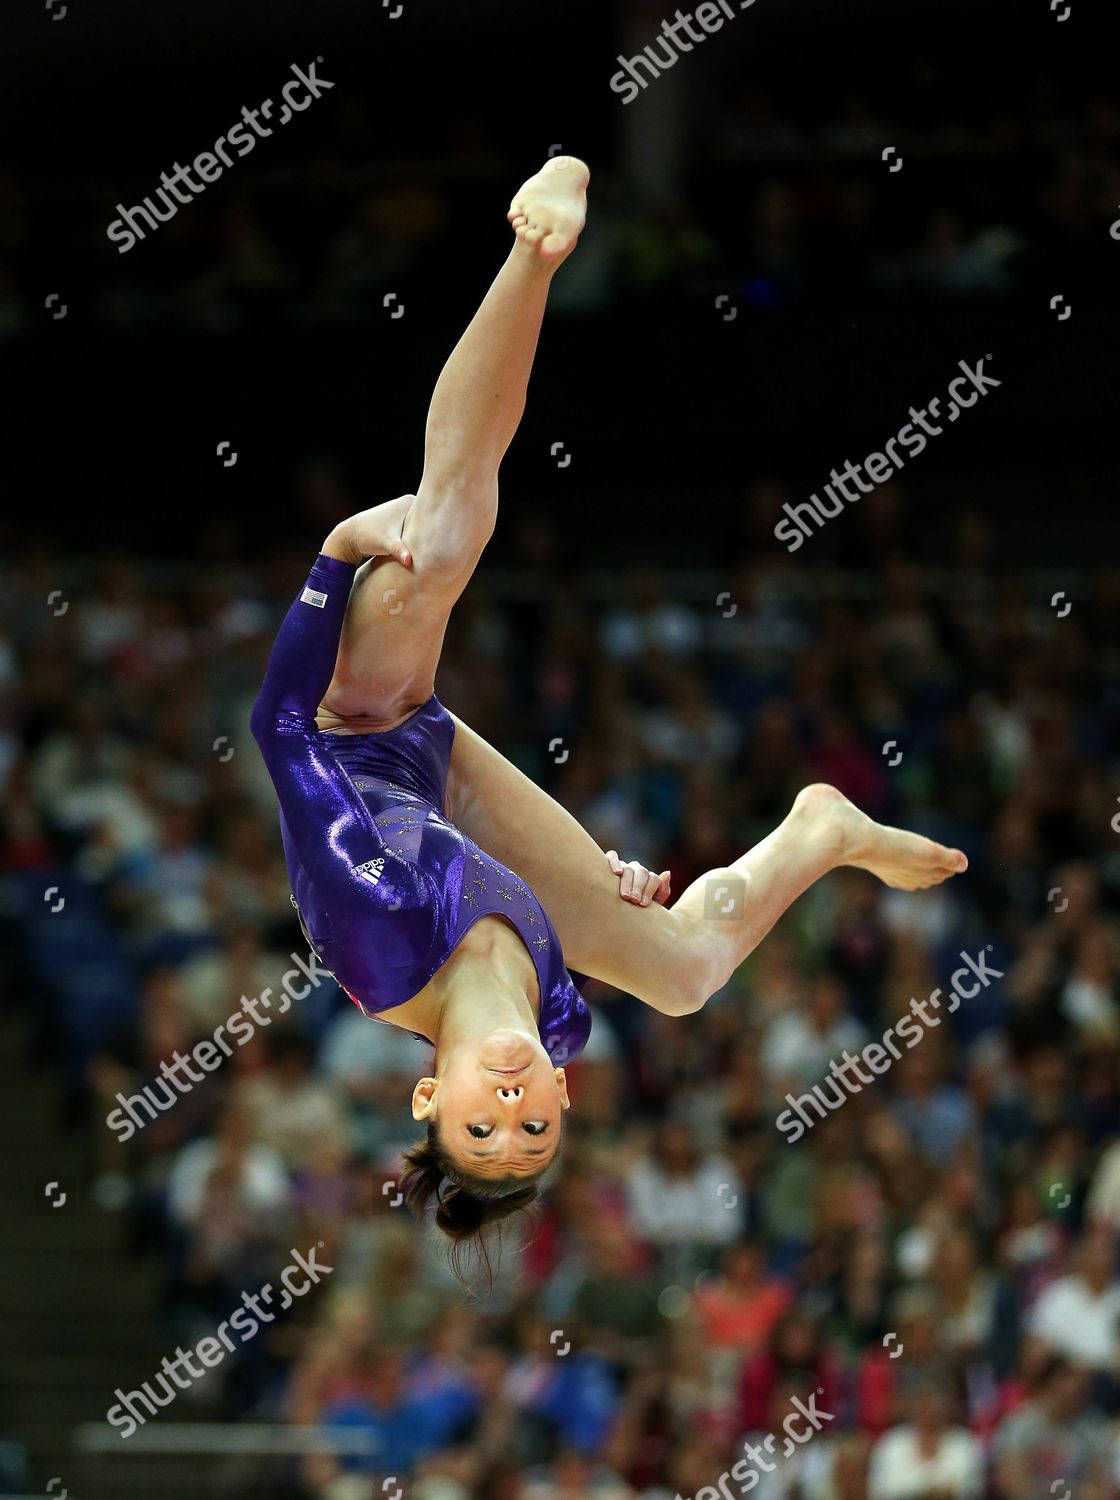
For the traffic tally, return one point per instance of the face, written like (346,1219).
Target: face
(929,1409)
(498,1102)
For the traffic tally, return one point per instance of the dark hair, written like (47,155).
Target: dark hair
(466,1205)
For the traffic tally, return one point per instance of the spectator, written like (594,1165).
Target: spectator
(926,1457)
(1053,1439)
(677,1197)
(1078,1316)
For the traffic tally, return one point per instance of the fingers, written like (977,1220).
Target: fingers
(636,884)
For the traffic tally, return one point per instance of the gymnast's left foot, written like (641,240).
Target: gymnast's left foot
(904,860)
(549,210)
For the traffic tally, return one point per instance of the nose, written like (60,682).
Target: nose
(511,1093)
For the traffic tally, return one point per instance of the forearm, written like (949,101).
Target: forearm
(303,654)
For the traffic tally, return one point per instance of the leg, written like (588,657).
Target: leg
(671,959)
(397,617)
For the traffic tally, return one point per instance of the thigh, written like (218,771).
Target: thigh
(635,948)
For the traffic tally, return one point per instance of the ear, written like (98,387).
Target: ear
(562,1085)
(424,1099)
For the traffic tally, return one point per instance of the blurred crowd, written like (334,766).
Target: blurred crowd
(934,1266)
(317,236)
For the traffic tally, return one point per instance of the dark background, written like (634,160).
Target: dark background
(128,396)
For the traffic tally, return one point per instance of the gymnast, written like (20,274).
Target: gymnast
(443,889)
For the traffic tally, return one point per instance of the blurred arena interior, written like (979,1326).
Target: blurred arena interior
(758,298)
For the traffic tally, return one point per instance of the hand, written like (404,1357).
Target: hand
(639,885)
(376,532)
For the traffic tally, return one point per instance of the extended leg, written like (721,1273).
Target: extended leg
(396,621)
(672,959)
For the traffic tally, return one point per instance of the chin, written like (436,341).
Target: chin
(511,1050)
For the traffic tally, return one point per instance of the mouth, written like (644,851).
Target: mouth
(510,1072)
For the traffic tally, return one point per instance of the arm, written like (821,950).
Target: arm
(303,654)
(327,819)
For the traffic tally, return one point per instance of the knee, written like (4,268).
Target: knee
(688,980)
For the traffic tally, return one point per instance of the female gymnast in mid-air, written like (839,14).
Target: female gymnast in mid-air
(444,890)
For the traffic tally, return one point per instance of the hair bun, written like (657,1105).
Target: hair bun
(465,1206)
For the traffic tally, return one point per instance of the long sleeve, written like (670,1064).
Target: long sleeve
(303,654)
(370,913)
(322,811)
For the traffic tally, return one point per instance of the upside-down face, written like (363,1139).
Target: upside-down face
(498,1101)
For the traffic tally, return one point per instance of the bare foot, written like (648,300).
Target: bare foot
(904,860)
(549,210)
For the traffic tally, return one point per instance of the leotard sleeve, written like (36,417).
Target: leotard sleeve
(382,908)
(328,821)
(303,654)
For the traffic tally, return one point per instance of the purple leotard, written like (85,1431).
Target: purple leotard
(385,885)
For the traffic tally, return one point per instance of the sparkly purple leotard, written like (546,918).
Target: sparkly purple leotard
(385,885)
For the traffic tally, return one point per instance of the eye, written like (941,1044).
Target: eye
(481,1132)
(535,1127)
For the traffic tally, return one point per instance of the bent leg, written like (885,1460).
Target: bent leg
(672,959)
(518,823)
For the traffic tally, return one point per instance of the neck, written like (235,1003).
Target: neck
(488,983)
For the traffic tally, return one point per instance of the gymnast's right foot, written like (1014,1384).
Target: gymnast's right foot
(548,211)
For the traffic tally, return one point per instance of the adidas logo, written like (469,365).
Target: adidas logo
(373,869)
